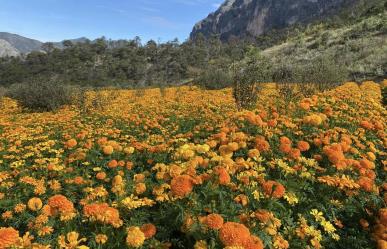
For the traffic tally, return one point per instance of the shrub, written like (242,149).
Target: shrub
(3,91)
(41,94)
(324,71)
(214,78)
(253,69)
(319,74)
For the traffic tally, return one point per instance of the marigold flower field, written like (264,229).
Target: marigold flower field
(183,168)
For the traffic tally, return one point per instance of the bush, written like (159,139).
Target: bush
(253,69)
(324,71)
(214,78)
(41,94)
(319,74)
(3,92)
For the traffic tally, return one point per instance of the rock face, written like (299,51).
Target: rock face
(6,49)
(243,18)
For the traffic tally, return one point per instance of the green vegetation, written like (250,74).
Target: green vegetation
(354,41)
(41,95)
(246,73)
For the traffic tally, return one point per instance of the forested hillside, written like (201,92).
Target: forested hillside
(354,40)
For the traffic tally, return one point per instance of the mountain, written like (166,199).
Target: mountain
(244,18)
(78,40)
(15,45)
(6,49)
(22,44)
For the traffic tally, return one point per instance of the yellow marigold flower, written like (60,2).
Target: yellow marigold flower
(328,227)
(313,119)
(280,243)
(317,214)
(108,150)
(35,204)
(45,231)
(19,208)
(291,198)
(202,148)
(72,240)
(201,244)
(101,239)
(135,237)
(7,215)
(129,150)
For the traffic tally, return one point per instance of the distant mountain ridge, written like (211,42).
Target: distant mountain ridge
(15,45)
(22,44)
(243,18)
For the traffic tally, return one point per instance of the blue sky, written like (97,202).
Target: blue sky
(56,20)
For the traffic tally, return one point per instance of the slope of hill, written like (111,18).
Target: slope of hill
(22,44)
(360,45)
(7,49)
(243,18)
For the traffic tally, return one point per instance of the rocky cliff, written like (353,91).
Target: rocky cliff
(243,18)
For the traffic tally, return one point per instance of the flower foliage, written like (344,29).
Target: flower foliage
(188,170)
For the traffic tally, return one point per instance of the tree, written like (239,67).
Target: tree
(247,74)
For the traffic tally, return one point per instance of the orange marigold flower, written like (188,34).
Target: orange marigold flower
(78,180)
(285,148)
(140,188)
(8,237)
(305,104)
(253,243)
(274,189)
(223,176)
(295,153)
(103,213)
(60,203)
(303,146)
(366,125)
(234,234)
(214,221)
(261,144)
(285,140)
(334,153)
(101,175)
(263,215)
(71,143)
(382,244)
(108,150)
(367,164)
(182,185)
(149,230)
(366,183)
(383,216)
(113,164)
(364,223)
